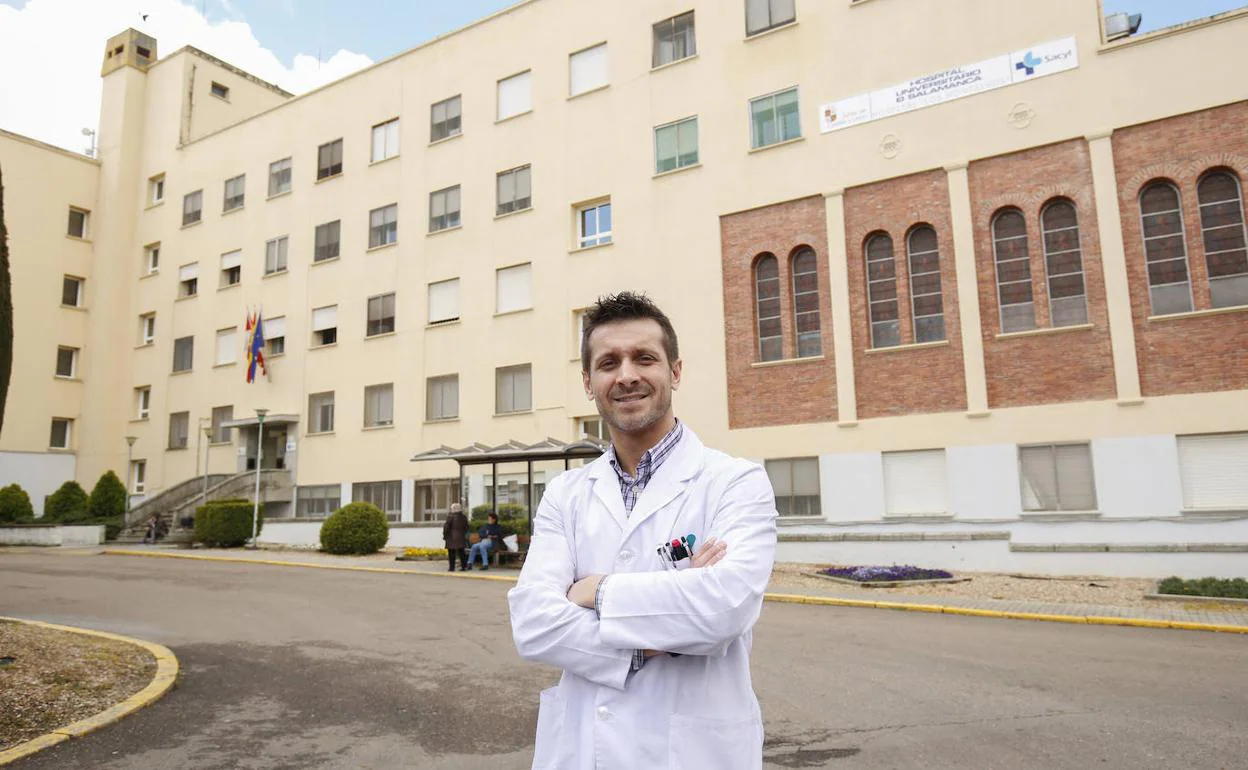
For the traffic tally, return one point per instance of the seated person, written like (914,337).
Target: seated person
(491,537)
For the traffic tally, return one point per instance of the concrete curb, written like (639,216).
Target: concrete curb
(164,680)
(827,601)
(1196,599)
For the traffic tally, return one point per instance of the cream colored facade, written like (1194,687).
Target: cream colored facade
(163,119)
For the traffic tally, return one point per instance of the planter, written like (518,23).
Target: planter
(1198,599)
(889,583)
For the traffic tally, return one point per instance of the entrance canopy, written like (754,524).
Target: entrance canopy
(269,419)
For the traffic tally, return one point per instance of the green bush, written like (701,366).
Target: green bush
(226,523)
(505,511)
(355,528)
(1236,588)
(15,505)
(108,498)
(67,505)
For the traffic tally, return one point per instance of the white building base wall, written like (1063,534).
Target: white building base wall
(307,534)
(82,536)
(52,535)
(39,473)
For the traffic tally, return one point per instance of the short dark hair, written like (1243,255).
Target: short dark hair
(627,306)
(492,515)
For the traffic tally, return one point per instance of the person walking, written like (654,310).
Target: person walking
(455,535)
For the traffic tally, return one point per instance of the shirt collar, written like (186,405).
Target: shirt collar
(652,458)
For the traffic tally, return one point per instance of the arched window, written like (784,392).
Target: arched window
(767,302)
(806,302)
(1009,245)
(1165,249)
(882,292)
(928,309)
(1063,263)
(1222,226)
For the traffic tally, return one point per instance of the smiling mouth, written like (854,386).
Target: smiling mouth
(630,398)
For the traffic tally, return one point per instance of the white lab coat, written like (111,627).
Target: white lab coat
(685,713)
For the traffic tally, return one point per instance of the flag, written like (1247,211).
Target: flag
(255,345)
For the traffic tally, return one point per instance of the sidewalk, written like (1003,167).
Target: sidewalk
(1165,614)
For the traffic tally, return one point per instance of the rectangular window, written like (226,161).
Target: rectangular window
(138,476)
(221,415)
(915,483)
(321,412)
(66,362)
(379,405)
(444,209)
(156,189)
(676,145)
(183,354)
(673,40)
(444,301)
(386,140)
(386,495)
(188,280)
(151,257)
(62,433)
(593,224)
(513,391)
(1211,470)
(231,268)
(592,427)
(762,15)
(142,402)
(325,326)
(78,222)
(227,346)
(445,119)
(179,429)
(514,288)
(515,95)
(320,500)
(71,291)
(328,238)
(147,328)
(514,190)
(774,118)
(442,397)
(235,192)
(275,336)
(192,207)
(275,255)
(380,315)
(329,159)
(1057,478)
(587,70)
(796,484)
(220,91)
(383,226)
(279,177)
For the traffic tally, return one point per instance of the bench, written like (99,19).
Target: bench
(501,558)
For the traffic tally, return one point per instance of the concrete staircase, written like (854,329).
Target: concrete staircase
(178,503)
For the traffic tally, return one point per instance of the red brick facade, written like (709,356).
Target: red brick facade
(903,380)
(1186,353)
(1074,365)
(775,393)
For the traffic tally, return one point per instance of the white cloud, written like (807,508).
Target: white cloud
(51,50)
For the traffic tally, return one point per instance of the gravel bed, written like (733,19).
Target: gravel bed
(1117,592)
(58,678)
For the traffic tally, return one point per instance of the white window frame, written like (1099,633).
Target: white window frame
(996,265)
(938,481)
(85,233)
(379,405)
(226,347)
(276,254)
(1201,206)
(321,405)
(329,170)
(156,190)
(434,122)
(1230,491)
(231,268)
(385,144)
(600,431)
(380,302)
(239,198)
(73,362)
(143,402)
(441,199)
(147,328)
(330,249)
(1039,452)
(1181,234)
(600,237)
(188,280)
(138,477)
(323,330)
(657,40)
(438,314)
(867,260)
(588,70)
(911,275)
(69,433)
(219,415)
(523,106)
(151,255)
(772,12)
(512,178)
(1050,276)
(785,469)
(79,285)
(436,398)
(677,126)
(193,208)
(220,91)
(383,226)
(756,285)
(281,177)
(505,377)
(179,439)
(275,336)
(517,279)
(191,357)
(755,144)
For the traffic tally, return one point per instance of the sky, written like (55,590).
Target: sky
(297,44)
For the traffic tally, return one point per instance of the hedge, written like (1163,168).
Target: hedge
(68,504)
(1236,588)
(355,528)
(108,497)
(226,523)
(15,505)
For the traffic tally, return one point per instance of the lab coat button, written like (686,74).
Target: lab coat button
(603,713)
(626,556)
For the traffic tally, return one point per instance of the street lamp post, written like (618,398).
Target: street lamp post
(208,437)
(255,513)
(129,471)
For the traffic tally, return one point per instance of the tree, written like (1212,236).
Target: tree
(15,504)
(6,310)
(108,498)
(67,504)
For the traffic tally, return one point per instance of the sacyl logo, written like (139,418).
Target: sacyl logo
(1029,63)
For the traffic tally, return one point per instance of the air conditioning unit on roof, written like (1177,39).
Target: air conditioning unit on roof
(1118,25)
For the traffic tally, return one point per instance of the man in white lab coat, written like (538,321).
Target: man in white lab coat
(653,641)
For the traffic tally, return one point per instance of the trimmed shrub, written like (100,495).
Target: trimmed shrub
(1236,588)
(15,505)
(505,511)
(108,497)
(68,504)
(226,523)
(355,528)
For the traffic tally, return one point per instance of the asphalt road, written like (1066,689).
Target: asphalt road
(286,669)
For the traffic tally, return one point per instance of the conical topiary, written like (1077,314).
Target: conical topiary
(108,498)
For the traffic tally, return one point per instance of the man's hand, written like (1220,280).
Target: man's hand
(584,590)
(711,552)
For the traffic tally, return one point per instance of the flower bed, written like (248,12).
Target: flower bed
(422,554)
(893,574)
(1214,587)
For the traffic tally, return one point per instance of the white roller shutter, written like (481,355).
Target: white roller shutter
(587,70)
(188,272)
(515,290)
(274,327)
(231,260)
(325,318)
(227,340)
(515,95)
(915,483)
(444,301)
(1214,471)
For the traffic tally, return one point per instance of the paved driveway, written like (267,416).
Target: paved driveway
(300,668)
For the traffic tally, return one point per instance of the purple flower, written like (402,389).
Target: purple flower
(878,574)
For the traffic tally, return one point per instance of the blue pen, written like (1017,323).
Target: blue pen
(690,540)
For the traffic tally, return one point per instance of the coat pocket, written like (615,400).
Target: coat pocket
(699,743)
(549,717)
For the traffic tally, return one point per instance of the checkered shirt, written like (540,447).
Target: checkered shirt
(632,486)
